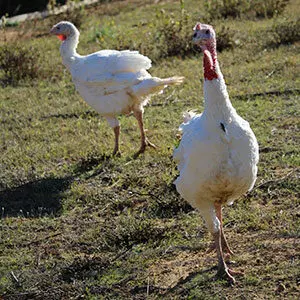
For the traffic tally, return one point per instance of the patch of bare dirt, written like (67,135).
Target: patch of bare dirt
(166,274)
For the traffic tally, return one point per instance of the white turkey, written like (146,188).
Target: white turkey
(112,82)
(218,153)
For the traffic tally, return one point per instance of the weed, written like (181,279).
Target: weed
(75,16)
(72,14)
(82,268)
(19,63)
(218,9)
(173,36)
(268,8)
(225,38)
(168,204)
(284,32)
(128,230)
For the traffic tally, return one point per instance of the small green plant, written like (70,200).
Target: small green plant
(129,230)
(170,35)
(284,32)
(169,204)
(173,36)
(223,9)
(224,38)
(218,9)
(19,63)
(75,16)
(268,8)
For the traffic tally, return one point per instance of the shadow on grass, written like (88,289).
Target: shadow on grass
(179,286)
(79,115)
(90,162)
(43,197)
(268,93)
(34,199)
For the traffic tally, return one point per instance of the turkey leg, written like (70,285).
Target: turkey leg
(144,141)
(225,245)
(117,135)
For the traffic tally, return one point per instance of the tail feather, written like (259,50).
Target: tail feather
(154,85)
(173,80)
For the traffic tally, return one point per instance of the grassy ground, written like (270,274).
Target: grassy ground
(77,223)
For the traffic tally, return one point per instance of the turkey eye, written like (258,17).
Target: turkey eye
(57,27)
(207,31)
(195,34)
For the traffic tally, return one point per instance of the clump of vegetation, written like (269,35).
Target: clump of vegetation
(284,32)
(268,8)
(224,38)
(170,35)
(19,63)
(129,230)
(76,16)
(173,38)
(223,9)
(83,267)
(218,9)
(168,205)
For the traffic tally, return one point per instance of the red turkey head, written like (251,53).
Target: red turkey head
(203,34)
(63,30)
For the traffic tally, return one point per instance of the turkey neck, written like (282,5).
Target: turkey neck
(216,99)
(68,49)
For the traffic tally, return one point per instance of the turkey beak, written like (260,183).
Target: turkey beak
(52,31)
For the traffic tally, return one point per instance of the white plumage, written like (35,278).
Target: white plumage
(218,153)
(112,82)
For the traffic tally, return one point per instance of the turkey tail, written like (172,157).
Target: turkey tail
(154,85)
(173,80)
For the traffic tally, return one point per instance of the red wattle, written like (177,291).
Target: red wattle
(208,66)
(62,37)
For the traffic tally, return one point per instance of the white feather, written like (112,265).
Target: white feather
(215,165)
(112,82)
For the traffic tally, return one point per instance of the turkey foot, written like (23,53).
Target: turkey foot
(226,274)
(235,272)
(223,271)
(143,147)
(151,145)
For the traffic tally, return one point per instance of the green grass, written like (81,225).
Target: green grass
(77,223)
